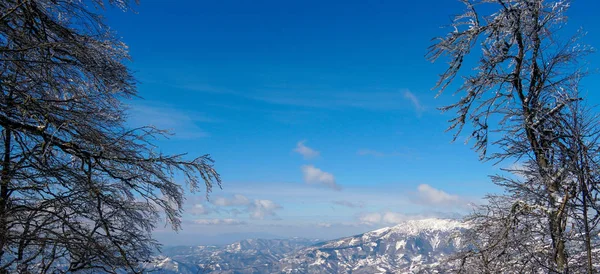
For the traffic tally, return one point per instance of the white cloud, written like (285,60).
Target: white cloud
(236,200)
(219,222)
(306,152)
(313,175)
(414,100)
(394,218)
(370,218)
(429,195)
(198,209)
(338,225)
(349,204)
(386,218)
(324,225)
(257,209)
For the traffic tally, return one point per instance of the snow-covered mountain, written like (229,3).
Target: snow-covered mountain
(405,248)
(240,255)
(410,247)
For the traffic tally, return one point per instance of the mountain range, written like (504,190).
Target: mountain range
(415,246)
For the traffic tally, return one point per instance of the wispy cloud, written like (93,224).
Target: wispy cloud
(393,218)
(313,175)
(181,123)
(219,222)
(198,209)
(349,204)
(338,225)
(414,101)
(236,200)
(405,152)
(386,218)
(316,96)
(370,218)
(305,151)
(326,225)
(256,208)
(370,152)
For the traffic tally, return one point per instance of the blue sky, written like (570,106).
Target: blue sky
(319,114)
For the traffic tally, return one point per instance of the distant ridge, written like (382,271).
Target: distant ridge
(410,247)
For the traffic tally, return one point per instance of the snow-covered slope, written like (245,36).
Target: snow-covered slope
(410,247)
(406,248)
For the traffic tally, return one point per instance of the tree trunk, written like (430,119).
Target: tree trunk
(4,193)
(5,178)
(558,241)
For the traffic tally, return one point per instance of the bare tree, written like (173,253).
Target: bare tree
(510,235)
(582,160)
(525,82)
(79,190)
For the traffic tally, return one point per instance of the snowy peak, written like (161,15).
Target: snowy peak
(414,227)
(405,248)
(410,228)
